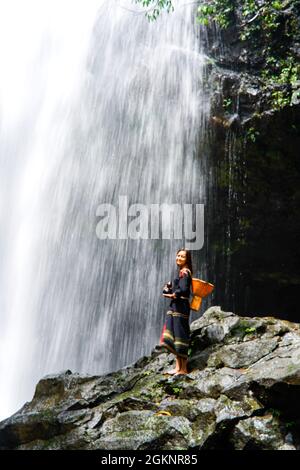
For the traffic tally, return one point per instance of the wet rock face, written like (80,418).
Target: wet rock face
(255,136)
(241,393)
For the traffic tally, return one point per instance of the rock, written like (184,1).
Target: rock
(228,410)
(145,430)
(242,393)
(295,100)
(243,354)
(258,433)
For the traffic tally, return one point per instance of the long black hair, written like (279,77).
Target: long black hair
(188,258)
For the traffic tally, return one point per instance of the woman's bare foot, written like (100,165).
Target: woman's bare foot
(183,367)
(171,372)
(177,368)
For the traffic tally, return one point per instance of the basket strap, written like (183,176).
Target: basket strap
(187,269)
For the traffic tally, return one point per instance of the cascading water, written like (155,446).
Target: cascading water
(96,102)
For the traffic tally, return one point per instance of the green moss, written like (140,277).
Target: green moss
(147,388)
(250,330)
(243,328)
(147,373)
(176,390)
(292,368)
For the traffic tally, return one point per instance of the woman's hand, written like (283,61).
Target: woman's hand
(171,296)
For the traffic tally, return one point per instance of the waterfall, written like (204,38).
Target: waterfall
(95,103)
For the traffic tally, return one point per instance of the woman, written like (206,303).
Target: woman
(176,333)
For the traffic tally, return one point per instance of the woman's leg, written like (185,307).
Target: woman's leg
(176,336)
(181,339)
(183,366)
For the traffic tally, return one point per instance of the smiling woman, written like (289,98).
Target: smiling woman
(176,332)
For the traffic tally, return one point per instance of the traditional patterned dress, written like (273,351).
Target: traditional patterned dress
(176,331)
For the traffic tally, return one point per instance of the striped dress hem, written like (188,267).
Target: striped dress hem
(176,334)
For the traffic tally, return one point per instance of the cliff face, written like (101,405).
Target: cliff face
(242,392)
(255,169)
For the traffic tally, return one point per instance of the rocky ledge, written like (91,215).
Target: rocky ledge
(242,392)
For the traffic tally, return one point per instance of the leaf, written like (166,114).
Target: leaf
(163,413)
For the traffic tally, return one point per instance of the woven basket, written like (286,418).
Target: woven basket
(200,290)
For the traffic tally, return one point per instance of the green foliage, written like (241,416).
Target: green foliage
(244,223)
(280,99)
(176,390)
(283,72)
(155,7)
(252,134)
(255,13)
(261,24)
(275,412)
(277,5)
(248,331)
(290,424)
(219,11)
(227,103)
